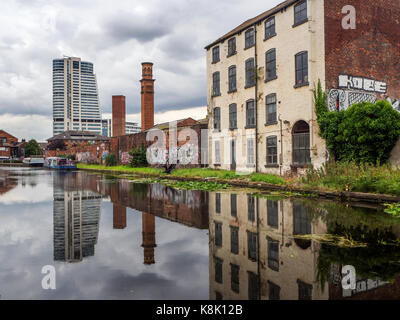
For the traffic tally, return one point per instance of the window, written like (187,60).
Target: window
(216,88)
(270,28)
(301,221)
(273,254)
(253,286)
(252,245)
(250,114)
(301,69)
(251,208)
(235,278)
(234,240)
(305,290)
(218,203)
(217,153)
(272,213)
(270,109)
(270,65)
(231,47)
(217,118)
(218,234)
(218,296)
(232,78)
(249,38)
(272,150)
(274,291)
(233,205)
(218,270)
(300,13)
(250,153)
(233,116)
(250,73)
(301,143)
(215,54)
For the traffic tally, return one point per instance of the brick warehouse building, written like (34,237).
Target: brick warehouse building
(8,145)
(260,79)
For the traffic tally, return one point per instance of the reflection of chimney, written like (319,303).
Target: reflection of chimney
(147,95)
(119,216)
(118,116)
(149,237)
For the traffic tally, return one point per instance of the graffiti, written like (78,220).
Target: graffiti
(84,157)
(358,83)
(105,154)
(339,100)
(125,157)
(395,103)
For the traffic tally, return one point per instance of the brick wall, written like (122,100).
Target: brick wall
(372,50)
(83,153)
(123,144)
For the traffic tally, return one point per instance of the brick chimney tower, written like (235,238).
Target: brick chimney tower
(149,237)
(147,96)
(118,116)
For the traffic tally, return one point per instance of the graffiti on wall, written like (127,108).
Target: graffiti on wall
(354,90)
(343,99)
(359,83)
(125,158)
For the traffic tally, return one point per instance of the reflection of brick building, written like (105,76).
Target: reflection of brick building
(119,217)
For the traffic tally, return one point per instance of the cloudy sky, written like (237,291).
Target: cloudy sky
(116,36)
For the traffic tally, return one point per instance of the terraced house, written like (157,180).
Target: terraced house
(261,75)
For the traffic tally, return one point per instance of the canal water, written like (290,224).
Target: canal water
(109,238)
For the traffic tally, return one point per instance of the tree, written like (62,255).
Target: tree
(139,158)
(57,145)
(32,148)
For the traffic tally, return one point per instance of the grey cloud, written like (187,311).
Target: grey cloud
(125,27)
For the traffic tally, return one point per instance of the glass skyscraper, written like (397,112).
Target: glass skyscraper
(76,103)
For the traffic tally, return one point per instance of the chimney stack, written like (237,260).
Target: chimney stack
(118,116)
(147,96)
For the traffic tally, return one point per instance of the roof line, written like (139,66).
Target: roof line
(274,11)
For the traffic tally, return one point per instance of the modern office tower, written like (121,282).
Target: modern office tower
(130,127)
(76,103)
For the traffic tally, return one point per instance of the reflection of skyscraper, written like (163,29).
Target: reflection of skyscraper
(149,237)
(76,217)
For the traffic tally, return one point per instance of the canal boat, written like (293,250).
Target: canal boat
(59,163)
(33,162)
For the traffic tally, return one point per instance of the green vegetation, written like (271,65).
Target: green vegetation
(267,178)
(393,209)
(196,185)
(121,169)
(348,176)
(204,173)
(364,133)
(32,148)
(138,157)
(110,160)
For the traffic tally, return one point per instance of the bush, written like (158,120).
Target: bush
(110,160)
(364,133)
(138,157)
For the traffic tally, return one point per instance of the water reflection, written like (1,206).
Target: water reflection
(255,252)
(257,247)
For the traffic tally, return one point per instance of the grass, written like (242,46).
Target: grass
(332,176)
(355,178)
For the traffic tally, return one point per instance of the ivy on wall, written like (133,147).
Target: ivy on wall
(364,133)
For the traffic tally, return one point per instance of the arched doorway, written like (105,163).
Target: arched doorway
(301,143)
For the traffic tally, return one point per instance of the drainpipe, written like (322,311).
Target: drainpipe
(256,94)
(311,78)
(258,249)
(281,153)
